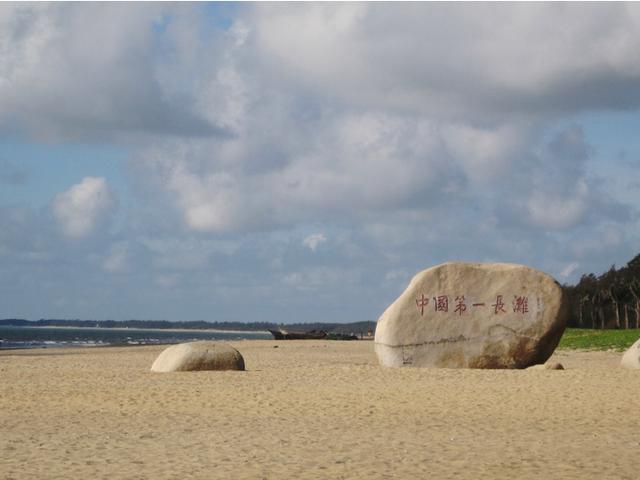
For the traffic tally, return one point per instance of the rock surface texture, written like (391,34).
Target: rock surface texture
(203,355)
(473,315)
(631,358)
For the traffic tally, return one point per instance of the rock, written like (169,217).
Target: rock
(553,366)
(631,358)
(205,355)
(475,315)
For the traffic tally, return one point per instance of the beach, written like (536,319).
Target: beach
(312,409)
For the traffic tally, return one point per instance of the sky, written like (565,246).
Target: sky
(300,162)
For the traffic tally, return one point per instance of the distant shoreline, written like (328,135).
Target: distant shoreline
(182,330)
(235,327)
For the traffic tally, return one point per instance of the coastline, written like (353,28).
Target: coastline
(54,337)
(124,329)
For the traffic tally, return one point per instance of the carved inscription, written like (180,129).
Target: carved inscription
(461,307)
(519,304)
(498,307)
(421,303)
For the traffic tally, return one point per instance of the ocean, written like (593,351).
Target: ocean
(60,337)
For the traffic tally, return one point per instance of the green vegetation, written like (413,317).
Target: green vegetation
(610,300)
(587,339)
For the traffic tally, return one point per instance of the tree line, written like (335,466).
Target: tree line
(611,300)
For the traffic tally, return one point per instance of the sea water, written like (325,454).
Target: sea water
(56,337)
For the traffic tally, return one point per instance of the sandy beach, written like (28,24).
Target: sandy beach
(313,409)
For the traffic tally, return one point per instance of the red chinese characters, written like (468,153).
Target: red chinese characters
(441,303)
(461,307)
(498,307)
(421,303)
(520,304)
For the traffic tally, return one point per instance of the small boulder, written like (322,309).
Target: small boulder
(553,366)
(204,355)
(631,358)
(473,315)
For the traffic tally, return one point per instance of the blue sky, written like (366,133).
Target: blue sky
(301,162)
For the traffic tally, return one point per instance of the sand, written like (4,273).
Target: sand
(313,409)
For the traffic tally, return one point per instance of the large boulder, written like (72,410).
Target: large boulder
(475,315)
(631,358)
(204,355)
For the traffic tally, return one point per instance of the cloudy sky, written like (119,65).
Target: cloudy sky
(300,162)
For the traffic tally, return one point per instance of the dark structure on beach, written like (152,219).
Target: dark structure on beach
(282,334)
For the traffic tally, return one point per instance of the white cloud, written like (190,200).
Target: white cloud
(117,261)
(313,241)
(337,116)
(82,208)
(559,211)
(486,155)
(569,269)
(101,80)
(461,61)
(352,165)
(407,135)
